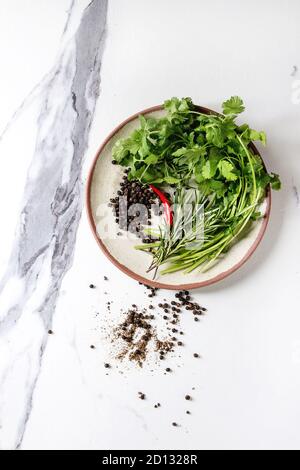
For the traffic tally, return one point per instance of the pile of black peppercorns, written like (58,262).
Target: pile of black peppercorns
(127,216)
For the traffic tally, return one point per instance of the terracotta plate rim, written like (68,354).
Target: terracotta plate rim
(132,274)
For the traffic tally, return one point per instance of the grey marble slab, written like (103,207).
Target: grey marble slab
(51,209)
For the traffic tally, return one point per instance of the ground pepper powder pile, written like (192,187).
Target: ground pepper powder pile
(137,334)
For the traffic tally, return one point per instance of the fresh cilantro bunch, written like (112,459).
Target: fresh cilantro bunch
(188,145)
(210,153)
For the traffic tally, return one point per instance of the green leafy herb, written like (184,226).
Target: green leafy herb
(227,170)
(209,156)
(234,105)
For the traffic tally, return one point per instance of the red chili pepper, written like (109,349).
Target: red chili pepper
(166,204)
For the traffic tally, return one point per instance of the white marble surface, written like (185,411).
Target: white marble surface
(70,71)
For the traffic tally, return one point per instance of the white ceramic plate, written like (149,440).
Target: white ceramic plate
(103,183)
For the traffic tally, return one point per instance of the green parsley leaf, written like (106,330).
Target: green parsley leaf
(210,167)
(171,180)
(208,170)
(227,170)
(214,134)
(275,182)
(151,159)
(234,106)
(255,135)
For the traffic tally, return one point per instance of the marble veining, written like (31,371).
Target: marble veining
(296,194)
(46,234)
(294,71)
